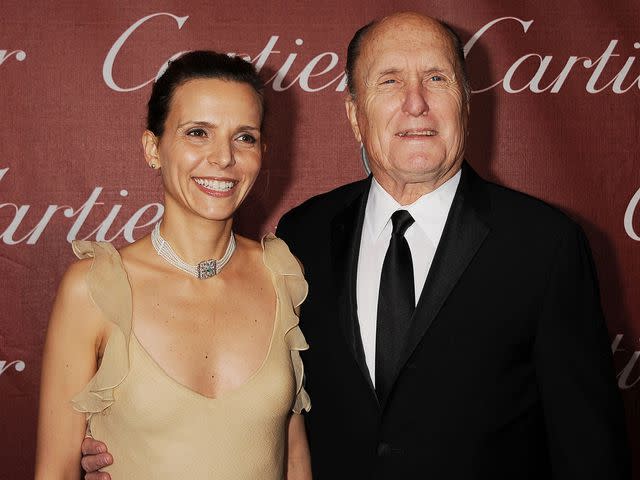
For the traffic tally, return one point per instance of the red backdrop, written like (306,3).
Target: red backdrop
(555,113)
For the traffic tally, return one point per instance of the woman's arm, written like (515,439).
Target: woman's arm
(298,457)
(74,337)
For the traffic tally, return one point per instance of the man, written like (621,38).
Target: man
(461,338)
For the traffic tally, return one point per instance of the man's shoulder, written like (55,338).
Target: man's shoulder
(521,210)
(327,204)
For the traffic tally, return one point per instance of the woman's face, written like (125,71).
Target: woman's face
(210,152)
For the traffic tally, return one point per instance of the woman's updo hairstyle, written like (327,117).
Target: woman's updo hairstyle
(193,65)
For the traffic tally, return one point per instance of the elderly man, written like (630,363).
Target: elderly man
(455,325)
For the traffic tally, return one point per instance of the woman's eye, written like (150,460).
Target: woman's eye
(197,132)
(437,78)
(246,138)
(388,81)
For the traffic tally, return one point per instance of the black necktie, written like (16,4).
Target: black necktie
(396,302)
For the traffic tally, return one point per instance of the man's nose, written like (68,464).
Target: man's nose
(221,155)
(415,100)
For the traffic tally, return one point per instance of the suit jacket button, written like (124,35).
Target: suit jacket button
(384,449)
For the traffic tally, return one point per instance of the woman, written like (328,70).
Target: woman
(179,358)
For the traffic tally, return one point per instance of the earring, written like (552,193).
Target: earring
(365,159)
(153,165)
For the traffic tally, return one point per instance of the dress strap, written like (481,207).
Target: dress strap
(290,280)
(279,259)
(110,291)
(107,281)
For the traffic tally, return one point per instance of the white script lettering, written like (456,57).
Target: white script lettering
(20,55)
(107,67)
(319,73)
(616,83)
(625,373)
(629,214)
(18,365)
(305,75)
(100,233)
(308,79)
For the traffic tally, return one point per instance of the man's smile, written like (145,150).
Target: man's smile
(417,132)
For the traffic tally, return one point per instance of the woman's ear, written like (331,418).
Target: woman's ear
(150,147)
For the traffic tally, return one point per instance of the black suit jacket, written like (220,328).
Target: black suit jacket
(508,372)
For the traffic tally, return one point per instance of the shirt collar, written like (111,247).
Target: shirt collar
(429,211)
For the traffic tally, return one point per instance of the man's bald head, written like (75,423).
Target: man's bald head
(361,36)
(409,102)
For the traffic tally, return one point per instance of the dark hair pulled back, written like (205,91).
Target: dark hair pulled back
(194,65)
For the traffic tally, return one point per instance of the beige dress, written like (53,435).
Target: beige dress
(155,427)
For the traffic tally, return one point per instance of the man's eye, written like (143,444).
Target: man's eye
(388,81)
(246,138)
(197,132)
(436,78)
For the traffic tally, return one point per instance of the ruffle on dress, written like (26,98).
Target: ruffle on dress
(287,270)
(110,291)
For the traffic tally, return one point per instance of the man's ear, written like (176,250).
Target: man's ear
(467,115)
(150,147)
(352,111)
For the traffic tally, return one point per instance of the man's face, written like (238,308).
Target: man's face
(409,109)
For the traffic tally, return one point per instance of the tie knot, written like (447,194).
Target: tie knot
(401,220)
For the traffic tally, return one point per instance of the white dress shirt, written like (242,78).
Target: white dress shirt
(430,214)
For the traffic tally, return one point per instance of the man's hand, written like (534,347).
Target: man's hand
(94,457)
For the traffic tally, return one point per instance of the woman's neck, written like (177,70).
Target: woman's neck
(194,238)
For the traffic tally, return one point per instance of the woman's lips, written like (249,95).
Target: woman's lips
(217,187)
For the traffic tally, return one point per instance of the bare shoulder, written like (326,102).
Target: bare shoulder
(139,259)
(137,249)
(251,253)
(247,245)
(73,285)
(74,312)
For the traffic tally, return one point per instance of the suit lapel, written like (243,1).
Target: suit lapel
(346,230)
(464,232)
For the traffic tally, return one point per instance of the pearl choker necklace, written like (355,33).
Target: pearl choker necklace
(203,270)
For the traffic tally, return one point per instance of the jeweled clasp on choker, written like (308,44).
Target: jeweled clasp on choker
(208,268)
(205,269)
